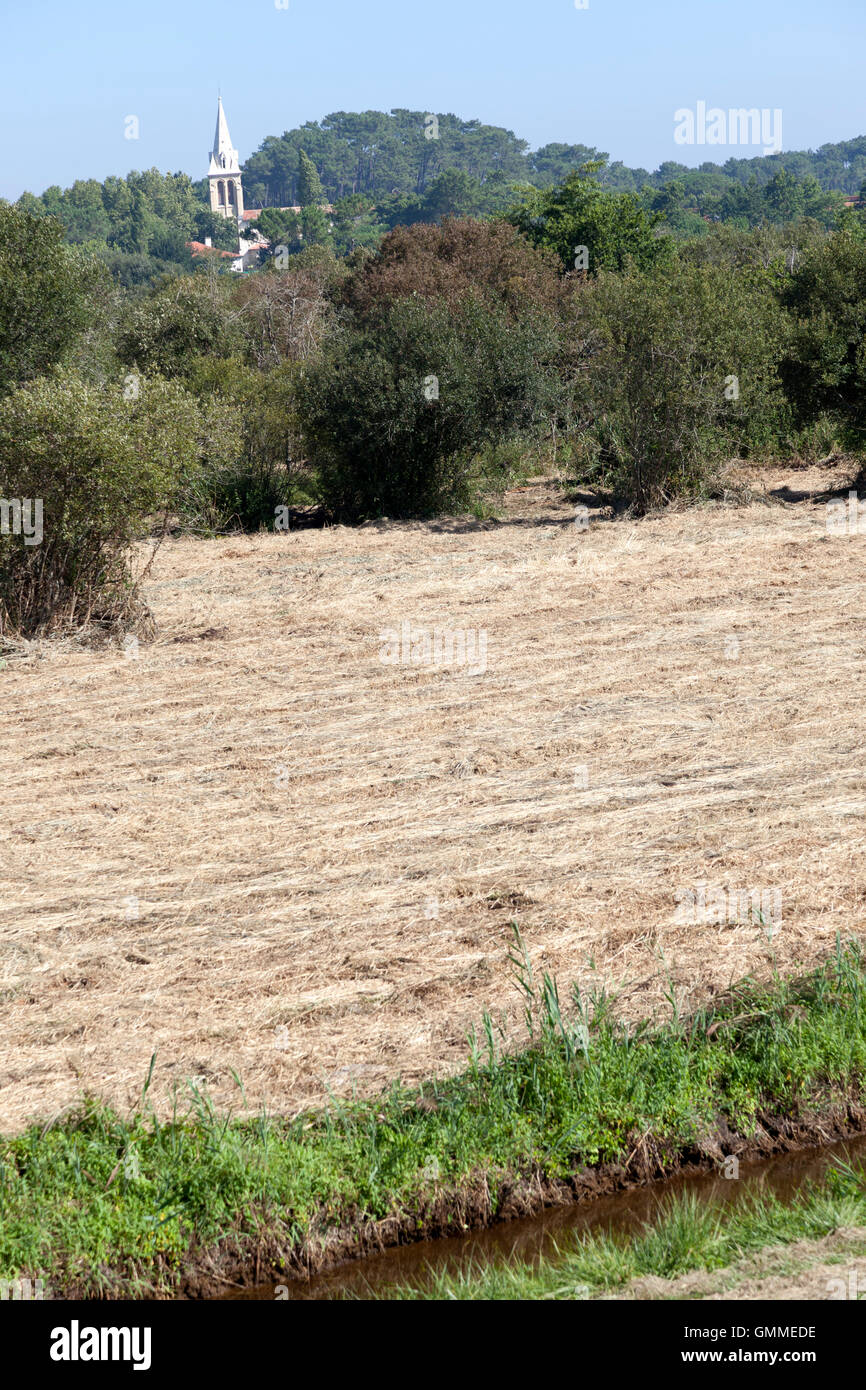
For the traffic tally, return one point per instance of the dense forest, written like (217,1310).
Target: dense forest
(382,170)
(401,154)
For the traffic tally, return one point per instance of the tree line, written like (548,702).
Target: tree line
(379,170)
(416,375)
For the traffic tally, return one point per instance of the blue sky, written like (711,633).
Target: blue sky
(611,75)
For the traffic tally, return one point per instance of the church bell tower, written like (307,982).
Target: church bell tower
(224,173)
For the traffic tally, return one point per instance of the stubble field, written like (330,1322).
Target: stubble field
(254,847)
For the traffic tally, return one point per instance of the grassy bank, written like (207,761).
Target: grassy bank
(98,1203)
(689,1234)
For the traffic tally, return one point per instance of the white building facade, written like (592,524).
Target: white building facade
(224,173)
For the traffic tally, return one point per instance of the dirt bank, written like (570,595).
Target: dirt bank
(483,1203)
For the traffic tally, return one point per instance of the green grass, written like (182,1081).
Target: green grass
(99,1202)
(688,1234)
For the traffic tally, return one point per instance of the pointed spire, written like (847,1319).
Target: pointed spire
(224,157)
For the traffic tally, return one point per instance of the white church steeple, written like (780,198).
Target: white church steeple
(224,172)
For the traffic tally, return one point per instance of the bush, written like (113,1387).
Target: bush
(185,318)
(825,370)
(284,312)
(136,272)
(615,228)
(770,246)
(43,294)
(101,466)
(249,465)
(684,371)
(394,414)
(446,262)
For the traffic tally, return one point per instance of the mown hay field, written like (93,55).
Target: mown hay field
(254,846)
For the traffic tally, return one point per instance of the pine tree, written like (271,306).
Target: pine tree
(310,190)
(139,234)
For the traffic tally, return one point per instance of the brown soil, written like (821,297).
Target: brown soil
(257,847)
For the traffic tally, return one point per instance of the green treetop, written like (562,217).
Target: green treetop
(310,190)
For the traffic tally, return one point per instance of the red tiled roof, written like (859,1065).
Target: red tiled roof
(251,213)
(198,248)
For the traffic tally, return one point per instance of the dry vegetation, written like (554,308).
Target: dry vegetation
(287,810)
(804,1271)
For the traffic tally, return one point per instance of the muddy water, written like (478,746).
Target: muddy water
(535,1238)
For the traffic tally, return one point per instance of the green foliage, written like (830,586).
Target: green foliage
(44,290)
(826,368)
(222,231)
(85,1200)
(279,225)
(776,200)
(406,169)
(310,190)
(454,193)
(137,274)
(776,247)
(552,164)
(315,227)
(124,214)
(248,468)
(677,213)
(614,228)
(684,370)
(101,465)
(688,1232)
(393,414)
(377,154)
(177,322)
(291,232)
(356,223)
(382,155)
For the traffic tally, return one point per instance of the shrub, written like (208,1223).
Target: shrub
(684,371)
(615,228)
(825,370)
(447,262)
(249,465)
(101,466)
(185,318)
(43,294)
(284,312)
(393,414)
(777,247)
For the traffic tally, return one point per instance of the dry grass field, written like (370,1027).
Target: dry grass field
(257,847)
